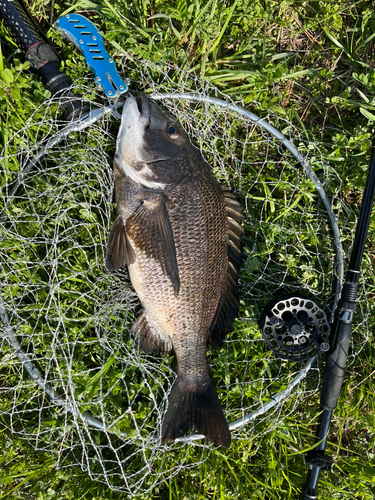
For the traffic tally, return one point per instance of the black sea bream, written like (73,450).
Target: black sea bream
(178,231)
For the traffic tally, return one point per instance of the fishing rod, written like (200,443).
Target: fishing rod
(340,341)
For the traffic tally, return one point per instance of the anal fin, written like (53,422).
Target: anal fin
(148,338)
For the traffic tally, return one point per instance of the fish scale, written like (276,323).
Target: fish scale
(200,297)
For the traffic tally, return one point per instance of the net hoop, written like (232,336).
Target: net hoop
(87,121)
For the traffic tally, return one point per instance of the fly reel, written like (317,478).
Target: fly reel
(295,328)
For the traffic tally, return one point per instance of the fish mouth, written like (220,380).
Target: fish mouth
(136,109)
(143,107)
(139,103)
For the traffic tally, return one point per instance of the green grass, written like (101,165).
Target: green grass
(309,63)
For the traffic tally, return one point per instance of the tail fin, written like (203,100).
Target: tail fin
(193,403)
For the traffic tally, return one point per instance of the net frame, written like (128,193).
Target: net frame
(95,116)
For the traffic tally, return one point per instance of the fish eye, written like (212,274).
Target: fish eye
(172,131)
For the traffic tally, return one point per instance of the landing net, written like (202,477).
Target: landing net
(72,382)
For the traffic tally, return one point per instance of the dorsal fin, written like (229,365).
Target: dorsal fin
(228,303)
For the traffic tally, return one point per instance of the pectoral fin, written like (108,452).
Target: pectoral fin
(150,229)
(119,250)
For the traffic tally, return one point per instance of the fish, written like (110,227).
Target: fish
(178,231)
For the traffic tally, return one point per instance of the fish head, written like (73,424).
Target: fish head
(152,146)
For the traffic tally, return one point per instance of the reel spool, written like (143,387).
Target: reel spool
(295,328)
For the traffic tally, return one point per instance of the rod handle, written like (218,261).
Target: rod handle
(41,55)
(335,368)
(337,356)
(22,28)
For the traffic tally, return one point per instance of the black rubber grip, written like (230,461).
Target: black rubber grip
(41,55)
(58,83)
(21,27)
(46,62)
(335,365)
(349,291)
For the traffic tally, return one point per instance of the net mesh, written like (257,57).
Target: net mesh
(93,398)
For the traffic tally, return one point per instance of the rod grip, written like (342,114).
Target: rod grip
(337,356)
(41,55)
(22,29)
(58,83)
